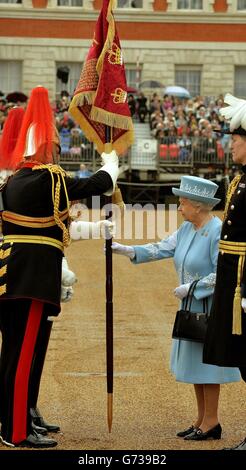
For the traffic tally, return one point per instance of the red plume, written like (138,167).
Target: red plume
(9,137)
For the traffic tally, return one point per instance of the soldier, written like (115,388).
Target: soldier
(226,337)
(35,218)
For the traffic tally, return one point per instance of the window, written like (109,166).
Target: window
(70,3)
(70,72)
(190,4)
(240,82)
(241,4)
(133,76)
(130,4)
(10,76)
(189,77)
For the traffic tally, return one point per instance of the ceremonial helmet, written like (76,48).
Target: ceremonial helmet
(38,133)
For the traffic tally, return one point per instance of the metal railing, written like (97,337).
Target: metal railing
(177,153)
(79,150)
(192,152)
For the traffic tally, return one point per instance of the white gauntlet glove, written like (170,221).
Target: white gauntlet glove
(243,304)
(106,227)
(126,250)
(68,276)
(81,230)
(110,163)
(66,293)
(111,157)
(181,291)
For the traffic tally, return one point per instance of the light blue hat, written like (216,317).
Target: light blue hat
(197,189)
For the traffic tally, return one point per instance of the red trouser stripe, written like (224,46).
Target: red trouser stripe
(23,372)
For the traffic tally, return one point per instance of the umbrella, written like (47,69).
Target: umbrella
(151,84)
(130,89)
(178,91)
(16,96)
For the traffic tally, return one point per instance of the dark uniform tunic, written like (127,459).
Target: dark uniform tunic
(30,283)
(221,346)
(33,270)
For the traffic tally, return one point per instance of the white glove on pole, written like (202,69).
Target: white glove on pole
(181,291)
(81,230)
(243,304)
(111,157)
(125,250)
(111,166)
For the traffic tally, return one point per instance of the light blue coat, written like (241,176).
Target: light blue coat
(195,255)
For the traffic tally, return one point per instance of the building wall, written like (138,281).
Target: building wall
(158,40)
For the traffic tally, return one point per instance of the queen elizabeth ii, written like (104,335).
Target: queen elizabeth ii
(194,249)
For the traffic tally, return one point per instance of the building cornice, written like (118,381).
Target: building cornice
(139,16)
(160,45)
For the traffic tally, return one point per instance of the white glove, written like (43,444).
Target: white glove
(107,227)
(126,250)
(243,304)
(111,157)
(68,276)
(81,230)
(111,166)
(66,293)
(181,291)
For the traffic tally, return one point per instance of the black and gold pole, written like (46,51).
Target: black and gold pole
(109,301)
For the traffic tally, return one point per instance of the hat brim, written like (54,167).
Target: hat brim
(238,131)
(207,200)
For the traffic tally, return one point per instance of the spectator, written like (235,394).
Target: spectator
(83,172)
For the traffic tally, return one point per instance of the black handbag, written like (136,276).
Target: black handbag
(188,325)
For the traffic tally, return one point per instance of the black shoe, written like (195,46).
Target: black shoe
(198,435)
(240,446)
(39,429)
(38,420)
(33,440)
(186,432)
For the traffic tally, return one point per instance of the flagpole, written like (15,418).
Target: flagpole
(109,302)
(99,105)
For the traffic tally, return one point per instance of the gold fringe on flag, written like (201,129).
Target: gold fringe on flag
(111,119)
(82,98)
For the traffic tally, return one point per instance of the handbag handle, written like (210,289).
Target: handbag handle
(189,296)
(188,299)
(205,305)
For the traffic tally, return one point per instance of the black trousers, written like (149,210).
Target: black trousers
(22,323)
(38,362)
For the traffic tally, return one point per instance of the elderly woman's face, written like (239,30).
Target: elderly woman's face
(188,211)
(238,149)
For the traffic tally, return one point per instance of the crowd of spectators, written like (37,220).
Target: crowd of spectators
(180,124)
(184,124)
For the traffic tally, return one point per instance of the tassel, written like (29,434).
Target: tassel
(117,198)
(237,324)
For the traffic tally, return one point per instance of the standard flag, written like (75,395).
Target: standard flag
(100,98)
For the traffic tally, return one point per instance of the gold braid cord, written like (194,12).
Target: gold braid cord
(236,327)
(231,190)
(56,191)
